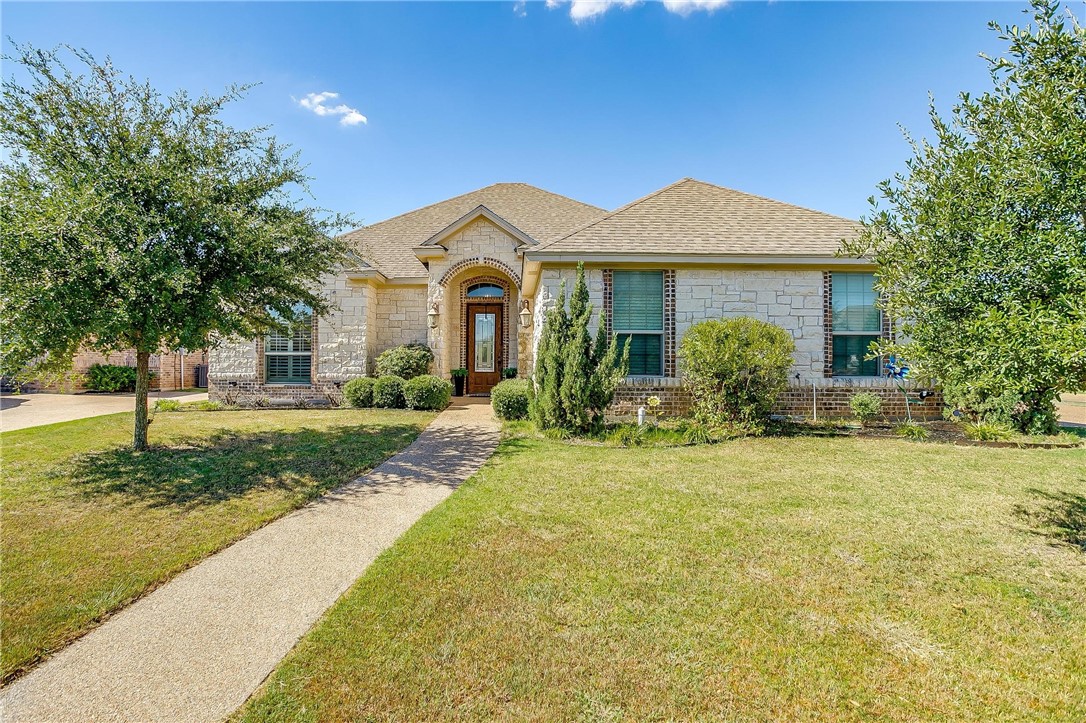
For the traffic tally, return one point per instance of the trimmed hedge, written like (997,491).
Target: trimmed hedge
(359,392)
(510,399)
(111,378)
(407,361)
(427,392)
(388,392)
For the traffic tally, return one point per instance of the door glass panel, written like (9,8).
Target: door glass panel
(484,342)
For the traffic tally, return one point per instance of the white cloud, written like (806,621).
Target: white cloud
(582,10)
(316,103)
(685,7)
(520,8)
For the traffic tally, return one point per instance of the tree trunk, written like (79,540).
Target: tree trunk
(143,383)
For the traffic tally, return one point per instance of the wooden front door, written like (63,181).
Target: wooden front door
(484,347)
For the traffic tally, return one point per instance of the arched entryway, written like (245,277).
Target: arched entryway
(485,331)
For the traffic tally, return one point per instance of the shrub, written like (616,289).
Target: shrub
(388,392)
(427,392)
(911,430)
(987,431)
(735,370)
(509,373)
(575,376)
(111,378)
(209,405)
(511,398)
(359,392)
(865,406)
(167,405)
(407,361)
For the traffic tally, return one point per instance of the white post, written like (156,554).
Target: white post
(640,416)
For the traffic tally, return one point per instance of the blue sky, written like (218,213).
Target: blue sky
(798,101)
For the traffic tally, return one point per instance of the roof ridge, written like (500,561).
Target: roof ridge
(609,214)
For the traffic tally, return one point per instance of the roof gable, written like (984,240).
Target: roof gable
(535,214)
(439,238)
(691,217)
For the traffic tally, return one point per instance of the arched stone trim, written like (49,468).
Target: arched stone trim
(479,261)
(507,300)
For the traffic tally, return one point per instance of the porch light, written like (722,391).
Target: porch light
(525,314)
(432,314)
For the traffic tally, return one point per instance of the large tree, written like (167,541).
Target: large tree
(133,220)
(981,247)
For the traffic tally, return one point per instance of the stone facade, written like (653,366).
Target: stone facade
(479,249)
(371,316)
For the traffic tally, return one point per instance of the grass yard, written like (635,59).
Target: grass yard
(773,579)
(89,525)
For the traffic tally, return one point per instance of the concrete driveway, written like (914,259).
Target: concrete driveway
(1072,409)
(19,411)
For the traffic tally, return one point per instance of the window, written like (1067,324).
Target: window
(288,358)
(637,314)
(476,291)
(857,322)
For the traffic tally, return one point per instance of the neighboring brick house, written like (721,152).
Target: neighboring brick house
(472,277)
(171,370)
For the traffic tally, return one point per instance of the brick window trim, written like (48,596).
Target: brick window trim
(670,365)
(506,300)
(885,325)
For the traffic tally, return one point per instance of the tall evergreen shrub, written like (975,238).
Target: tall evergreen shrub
(575,376)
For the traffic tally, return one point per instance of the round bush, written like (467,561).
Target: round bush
(735,370)
(510,399)
(407,361)
(427,392)
(388,392)
(865,406)
(359,392)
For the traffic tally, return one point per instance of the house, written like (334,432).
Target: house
(472,276)
(171,370)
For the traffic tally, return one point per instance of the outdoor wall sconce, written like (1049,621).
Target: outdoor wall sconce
(432,314)
(525,314)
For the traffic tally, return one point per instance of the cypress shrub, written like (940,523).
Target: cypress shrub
(575,377)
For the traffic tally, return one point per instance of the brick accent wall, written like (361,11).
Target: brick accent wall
(608,300)
(166,370)
(796,401)
(827,324)
(670,367)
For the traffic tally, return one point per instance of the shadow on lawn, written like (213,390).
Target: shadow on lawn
(1059,516)
(227,464)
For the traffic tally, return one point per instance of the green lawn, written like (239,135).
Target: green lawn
(89,525)
(775,579)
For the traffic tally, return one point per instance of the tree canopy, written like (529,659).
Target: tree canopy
(981,246)
(133,220)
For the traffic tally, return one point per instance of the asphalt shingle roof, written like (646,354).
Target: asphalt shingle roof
(542,215)
(692,217)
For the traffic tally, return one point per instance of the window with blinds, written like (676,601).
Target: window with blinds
(288,358)
(857,322)
(637,314)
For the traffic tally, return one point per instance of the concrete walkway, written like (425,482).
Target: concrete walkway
(196,648)
(19,411)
